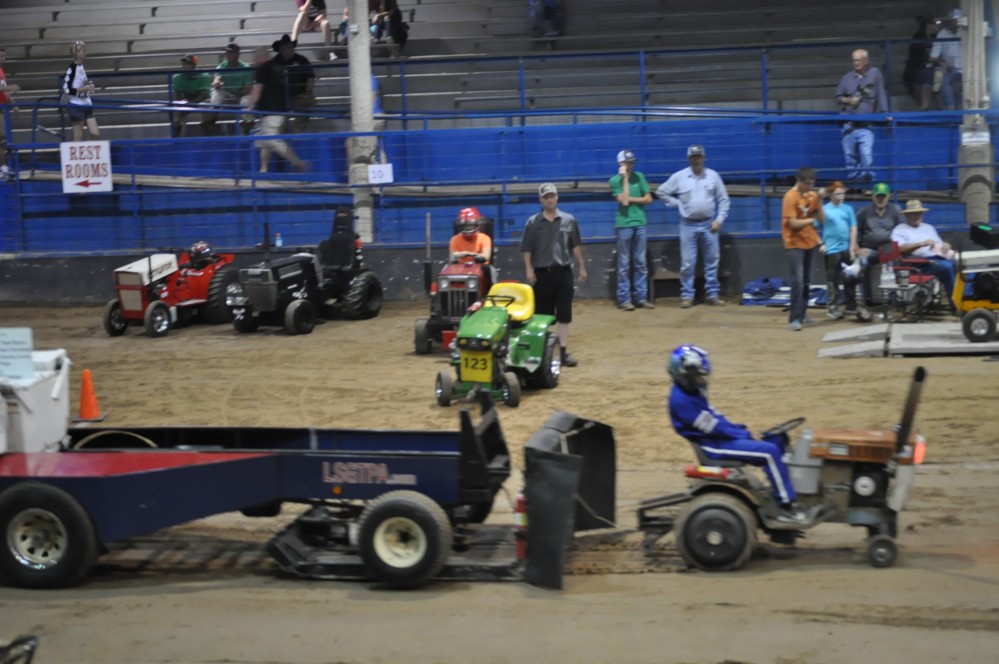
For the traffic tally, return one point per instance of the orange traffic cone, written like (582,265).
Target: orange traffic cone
(90,411)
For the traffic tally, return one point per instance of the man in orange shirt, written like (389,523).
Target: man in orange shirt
(800,212)
(469,242)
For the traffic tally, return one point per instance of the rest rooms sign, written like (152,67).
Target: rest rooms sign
(86,166)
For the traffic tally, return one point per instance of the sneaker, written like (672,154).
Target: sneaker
(835,314)
(849,312)
(794,515)
(568,360)
(715,302)
(627,306)
(796,326)
(645,304)
(332,56)
(807,321)
(686,304)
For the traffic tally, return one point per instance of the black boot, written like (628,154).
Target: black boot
(568,360)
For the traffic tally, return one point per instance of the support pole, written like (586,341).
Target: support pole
(975,181)
(360,148)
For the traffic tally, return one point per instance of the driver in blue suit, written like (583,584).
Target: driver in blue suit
(700,423)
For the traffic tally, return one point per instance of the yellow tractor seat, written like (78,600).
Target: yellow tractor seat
(522,307)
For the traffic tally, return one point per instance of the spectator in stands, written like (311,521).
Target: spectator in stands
(839,244)
(703,201)
(189,87)
(918,238)
(552,11)
(301,81)
(311,17)
(550,243)
(231,86)
(6,90)
(386,21)
(631,191)
(76,89)
(800,211)
(860,92)
(341,30)
(946,54)
(874,226)
(270,95)
(918,76)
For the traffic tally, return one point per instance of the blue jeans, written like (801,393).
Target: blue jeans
(858,150)
(691,233)
(799,261)
(952,90)
(943,269)
(631,248)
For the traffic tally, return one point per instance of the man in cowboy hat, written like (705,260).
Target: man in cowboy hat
(917,238)
(301,80)
(269,96)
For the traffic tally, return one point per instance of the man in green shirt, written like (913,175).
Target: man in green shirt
(189,88)
(631,191)
(231,87)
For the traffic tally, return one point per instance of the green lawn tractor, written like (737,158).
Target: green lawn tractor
(501,343)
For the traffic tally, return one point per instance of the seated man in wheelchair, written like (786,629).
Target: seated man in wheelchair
(919,239)
(697,421)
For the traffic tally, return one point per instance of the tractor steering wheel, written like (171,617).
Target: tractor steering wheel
(783,427)
(501,300)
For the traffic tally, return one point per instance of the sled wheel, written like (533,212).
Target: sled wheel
(511,389)
(364,296)
(444,388)
(114,323)
(550,369)
(48,540)
(716,532)
(421,337)
(882,551)
(404,538)
(979,325)
(224,284)
(300,317)
(244,320)
(157,319)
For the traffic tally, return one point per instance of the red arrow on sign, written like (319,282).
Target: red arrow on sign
(87,183)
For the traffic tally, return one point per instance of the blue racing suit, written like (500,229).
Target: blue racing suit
(695,419)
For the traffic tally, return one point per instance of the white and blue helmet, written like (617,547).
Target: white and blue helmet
(689,366)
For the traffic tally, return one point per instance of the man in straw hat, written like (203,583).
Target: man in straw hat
(917,238)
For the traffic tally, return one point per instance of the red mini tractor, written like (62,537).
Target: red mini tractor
(164,289)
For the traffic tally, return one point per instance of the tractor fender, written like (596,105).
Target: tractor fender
(539,324)
(751,499)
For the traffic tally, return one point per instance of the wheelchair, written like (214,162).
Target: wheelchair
(909,291)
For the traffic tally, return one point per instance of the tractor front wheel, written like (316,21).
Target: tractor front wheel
(979,325)
(157,319)
(511,389)
(300,317)
(404,538)
(882,551)
(716,532)
(114,322)
(46,538)
(444,390)
(421,337)
(244,320)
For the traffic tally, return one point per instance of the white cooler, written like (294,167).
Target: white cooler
(34,415)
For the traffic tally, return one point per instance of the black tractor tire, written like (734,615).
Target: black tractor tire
(444,388)
(300,317)
(114,323)
(157,319)
(547,374)
(979,325)
(246,322)
(882,551)
(422,341)
(215,310)
(364,297)
(716,532)
(46,539)
(511,389)
(404,538)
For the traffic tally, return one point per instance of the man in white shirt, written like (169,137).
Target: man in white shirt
(703,201)
(948,57)
(918,238)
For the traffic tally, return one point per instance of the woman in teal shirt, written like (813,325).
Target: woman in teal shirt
(839,244)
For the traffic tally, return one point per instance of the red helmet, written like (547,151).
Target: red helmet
(468,220)
(200,254)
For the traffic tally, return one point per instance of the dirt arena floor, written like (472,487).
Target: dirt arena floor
(207,593)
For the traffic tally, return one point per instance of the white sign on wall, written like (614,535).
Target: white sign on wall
(380,174)
(86,166)
(15,353)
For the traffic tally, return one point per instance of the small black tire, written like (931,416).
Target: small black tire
(364,296)
(882,551)
(157,319)
(548,372)
(716,532)
(422,341)
(114,323)
(243,319)
(46,538)
(444,388)
(215,310)
(511,389)
(300,317)
(404,538)
(979,325)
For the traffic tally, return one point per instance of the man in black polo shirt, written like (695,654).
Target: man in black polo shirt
(549,244)
(270,94)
